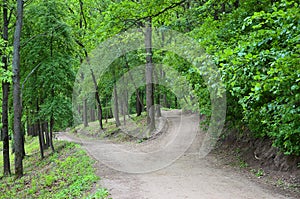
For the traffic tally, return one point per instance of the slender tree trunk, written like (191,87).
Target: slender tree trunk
(5,93)
(116,100)
(46,134)
(116,107)
(124,102)
(51,133)
(157,89)
(52,94)
(139,105)
(149,76)
(36,129)
(79,109)
(106,111)
(92,113)
(29,126)
(41,140)
(158,110)
(85,119)
(97,97)
(39,128)
(23,137)
(42,135)
(16,92)
(122,110)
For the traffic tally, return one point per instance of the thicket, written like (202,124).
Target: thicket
(257,48)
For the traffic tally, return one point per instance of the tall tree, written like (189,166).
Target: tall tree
(97,97)
(116,103)
(5,90)
(18,137)
(149,76)
(46,47)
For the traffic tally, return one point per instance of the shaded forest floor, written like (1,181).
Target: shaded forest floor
(221,174)
(67,173)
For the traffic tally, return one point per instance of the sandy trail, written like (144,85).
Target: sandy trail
(188,176)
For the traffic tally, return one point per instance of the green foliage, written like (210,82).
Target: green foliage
(68,173)
(99,194)
(255,45)
(48,55)
(258,173)
(258,54)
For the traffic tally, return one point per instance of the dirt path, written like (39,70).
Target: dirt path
(169,171)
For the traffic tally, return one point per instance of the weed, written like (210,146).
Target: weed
(243,164)
(258,173)
(68,173)
(99,194)
(280,182)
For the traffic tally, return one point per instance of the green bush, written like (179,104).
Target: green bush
(258,53)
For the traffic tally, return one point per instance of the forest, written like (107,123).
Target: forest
(51,80)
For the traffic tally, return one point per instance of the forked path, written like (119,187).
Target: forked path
(166,173)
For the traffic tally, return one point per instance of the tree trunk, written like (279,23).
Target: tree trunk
(41,141)
(42,135)
(106,111)
(158,110)
(5,93)
(39,129)
(51,133)
(157,89)
(139,105)
(36,129)
(16,92)
(97,97)
(23,138)
(116,107)
(124,102)
(162,72)
(85,119)
(29,127)
(149,74)
(92,113)
(46,134)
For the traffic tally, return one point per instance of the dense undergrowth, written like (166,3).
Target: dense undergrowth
(256,47)
(67,173)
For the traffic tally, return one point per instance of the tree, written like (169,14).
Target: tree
(5,90)
(149,76)
(97,97)
(121,21)
(115,97)
(18,137)
(48,90)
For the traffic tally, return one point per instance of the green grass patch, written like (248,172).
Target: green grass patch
(110,130)
(100,193)
(67,173)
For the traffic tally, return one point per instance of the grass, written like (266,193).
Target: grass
(258,172)
(100,193)
(110,131)
(67,173)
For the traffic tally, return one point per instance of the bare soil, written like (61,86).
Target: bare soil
(187,177)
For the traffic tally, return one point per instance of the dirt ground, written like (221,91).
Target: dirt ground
(172,169)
